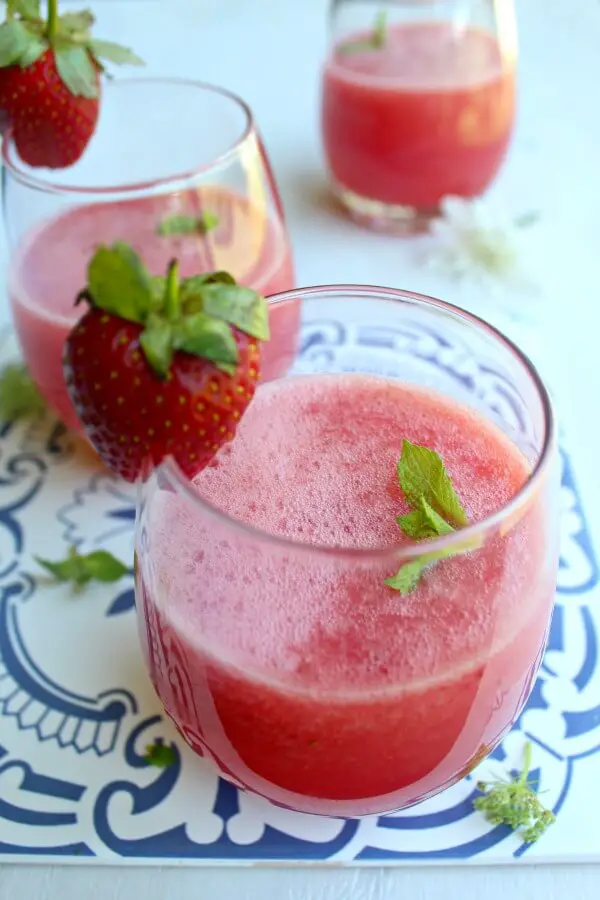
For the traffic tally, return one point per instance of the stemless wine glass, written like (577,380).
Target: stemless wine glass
(270,634)
(168,156)
(418,104)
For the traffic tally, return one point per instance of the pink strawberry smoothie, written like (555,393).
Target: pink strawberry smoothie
(50,269)
(301,673)
(428,114)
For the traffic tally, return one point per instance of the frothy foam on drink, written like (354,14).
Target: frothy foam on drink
(314,460)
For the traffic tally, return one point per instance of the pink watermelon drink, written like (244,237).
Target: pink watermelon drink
(427,114)
(270,633)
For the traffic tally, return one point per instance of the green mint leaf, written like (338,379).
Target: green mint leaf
(14,39)
(20,397)
(238,306)
(69,569)
(208,338)
(408,576)
(101,565)
(209,220)
(176,225)
(432,519)
(114,53)
(414,525)
(515,803)
(356,46)
(161,755)
(119,283)
(380,29)
(421,474)
(375,41)
(184,225)
(76,70)
(427,487)
(423,522)
(157,343)
(82,568)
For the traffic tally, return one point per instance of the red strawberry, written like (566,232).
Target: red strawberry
(55,138)
(159,367)
(49,81)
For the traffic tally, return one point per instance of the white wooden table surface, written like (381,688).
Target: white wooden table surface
(270,52)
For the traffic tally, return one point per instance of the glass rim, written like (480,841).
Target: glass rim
(510,511)
(13,165)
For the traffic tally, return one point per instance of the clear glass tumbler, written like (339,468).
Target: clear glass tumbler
(266,623)
(176,169)
(418,104)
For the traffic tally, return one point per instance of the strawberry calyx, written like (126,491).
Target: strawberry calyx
(194,315)
(25,36)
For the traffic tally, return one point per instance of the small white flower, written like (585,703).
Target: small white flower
(476,242)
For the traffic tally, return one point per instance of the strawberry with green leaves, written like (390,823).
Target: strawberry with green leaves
(50,81)
(162,367)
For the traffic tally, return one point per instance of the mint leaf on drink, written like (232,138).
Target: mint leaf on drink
(408,576)
(423,522)
(208,221)
(376,39)
(183,225)
(421,474)
(515,803)
(20,397)
(435,504)
(79,569)
(380,29)
(160,755)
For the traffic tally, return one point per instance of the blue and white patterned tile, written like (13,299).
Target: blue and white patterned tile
(77,708)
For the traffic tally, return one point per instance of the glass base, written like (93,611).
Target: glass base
(388,218)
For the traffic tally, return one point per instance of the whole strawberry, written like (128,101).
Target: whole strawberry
(50,81)
(160,367)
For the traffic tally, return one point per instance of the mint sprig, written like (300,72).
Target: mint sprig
(436,510)
(422,476)
(376,39)
(80,569)
(184,225)
(423,522)
(20,397)
(160,755)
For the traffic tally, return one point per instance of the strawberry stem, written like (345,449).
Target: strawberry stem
(52,21)
(10,11)
(171,304)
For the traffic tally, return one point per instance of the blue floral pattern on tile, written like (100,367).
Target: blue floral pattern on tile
(77,709)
